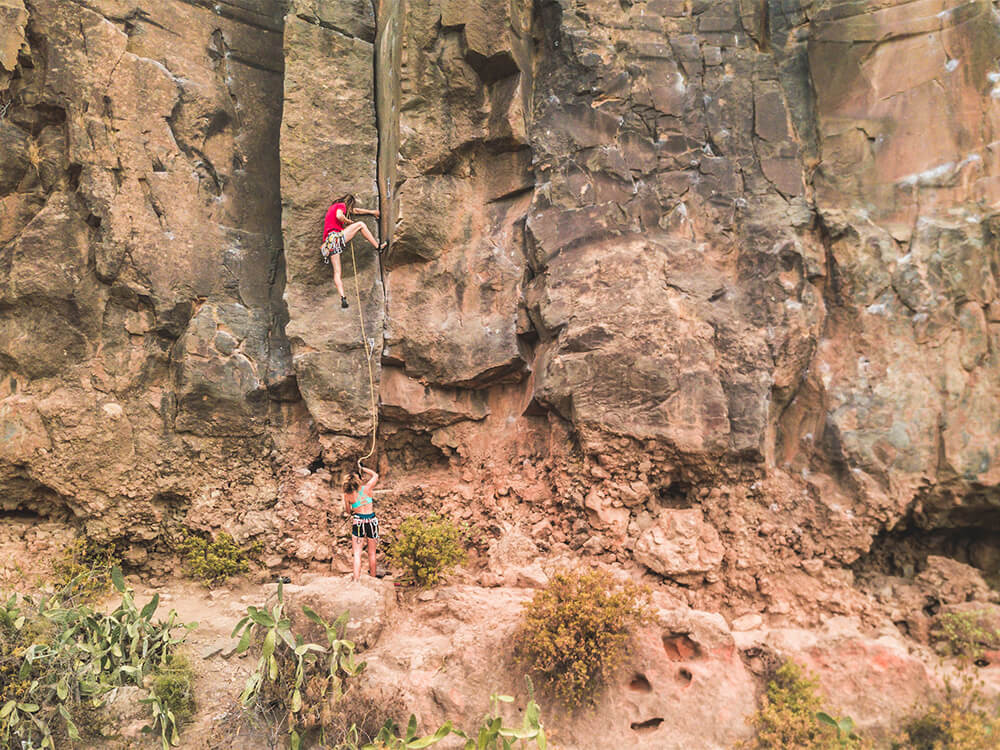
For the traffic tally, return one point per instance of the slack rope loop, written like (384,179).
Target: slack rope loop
(368,358)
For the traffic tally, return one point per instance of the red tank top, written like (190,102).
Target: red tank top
(332,223)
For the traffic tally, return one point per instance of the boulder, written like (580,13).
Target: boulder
(370,604)
(680,545)
(684,684)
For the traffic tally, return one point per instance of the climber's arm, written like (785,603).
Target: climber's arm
(372,479)
(367,212)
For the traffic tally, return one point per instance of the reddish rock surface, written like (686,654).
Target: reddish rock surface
(705,292)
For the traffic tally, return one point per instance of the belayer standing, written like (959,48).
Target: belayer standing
(364,524)
(339,229)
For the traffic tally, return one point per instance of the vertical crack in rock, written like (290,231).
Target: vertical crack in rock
(386,62)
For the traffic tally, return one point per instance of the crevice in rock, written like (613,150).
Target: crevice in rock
(676,495)
(640,684)
(407,449)
(649,725)
(28,499)
(220,54)
(969,534)
(327,25)
(680,647)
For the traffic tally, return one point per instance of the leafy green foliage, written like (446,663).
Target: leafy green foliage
(427,549)
(844,727)
(792,717)
(294,679)
(60,660)
(212,561)
(575,632)
(966,635)
(491,734)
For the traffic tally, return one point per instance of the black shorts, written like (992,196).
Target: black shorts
(364,525)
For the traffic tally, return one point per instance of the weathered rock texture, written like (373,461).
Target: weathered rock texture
(703,242)
(706,290)
(143,353)
(328,148)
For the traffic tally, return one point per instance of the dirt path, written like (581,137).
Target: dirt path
(220,674)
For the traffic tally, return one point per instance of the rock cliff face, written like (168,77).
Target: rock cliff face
(704,288)
(143,348)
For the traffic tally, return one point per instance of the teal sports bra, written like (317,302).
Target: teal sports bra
(363,499)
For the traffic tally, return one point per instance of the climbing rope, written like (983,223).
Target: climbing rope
(368,358)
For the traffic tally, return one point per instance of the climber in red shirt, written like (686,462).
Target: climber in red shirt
(337,232)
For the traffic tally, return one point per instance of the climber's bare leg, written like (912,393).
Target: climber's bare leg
(371,557)
(359,226)
(356,544)
(335,260)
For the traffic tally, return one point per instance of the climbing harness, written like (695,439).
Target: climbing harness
(369,350)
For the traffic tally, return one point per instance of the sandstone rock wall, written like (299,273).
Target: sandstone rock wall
(704,289)
(329,148)
(702,239)
(143,352)
(708,288)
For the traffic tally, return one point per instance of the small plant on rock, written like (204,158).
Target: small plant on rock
(212,561)
(966,635)
(792,716)
(951,726)
(427,549)
(965,719)
(575,632)
(172,687)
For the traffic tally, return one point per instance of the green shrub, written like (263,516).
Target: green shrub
(964,720)
(58,661)
(212,561)
(792,717)
(427,549)
(83,570)
(575,632)
(172,685)
(966,635)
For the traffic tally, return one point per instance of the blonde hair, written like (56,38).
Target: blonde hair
(351,482)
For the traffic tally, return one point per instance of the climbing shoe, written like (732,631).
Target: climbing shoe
(343,302)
